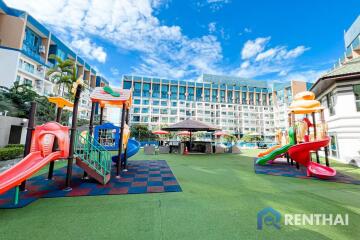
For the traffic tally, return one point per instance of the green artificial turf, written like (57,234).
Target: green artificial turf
(220,200)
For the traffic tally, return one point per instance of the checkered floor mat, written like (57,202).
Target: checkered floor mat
(141,177)
(282,168)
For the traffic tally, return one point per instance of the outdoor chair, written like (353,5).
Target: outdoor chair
(164,149)
(149,150)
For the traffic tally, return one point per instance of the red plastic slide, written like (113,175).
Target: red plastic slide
(24,169)
(41,154)
(301,154)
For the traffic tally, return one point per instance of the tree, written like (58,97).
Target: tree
(64,74)
(142,132)
(17,99)
(230,138)
(251,138)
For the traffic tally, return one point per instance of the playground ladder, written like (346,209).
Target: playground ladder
(93,158)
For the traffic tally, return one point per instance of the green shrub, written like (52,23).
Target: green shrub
(10,153)
(15,146)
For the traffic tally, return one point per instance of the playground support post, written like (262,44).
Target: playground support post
(52,163)
(92,115)
(122,123)
(127,118)
(287,155)
(314,127)
(72,138)
(30,129)
(101,115)
(326,149)
(295,139)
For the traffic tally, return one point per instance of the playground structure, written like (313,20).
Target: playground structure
(52,141)
(109,136)
(304,138)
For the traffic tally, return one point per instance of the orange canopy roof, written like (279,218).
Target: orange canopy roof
(106,99)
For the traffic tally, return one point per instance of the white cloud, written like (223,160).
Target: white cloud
(212,27)
(253,47)
(294,53)
(214,5)
(267,54)
(114,71)
(130,26)
(89,49)
(261,61)
(164,50)
(245,64)
(247,30)
(306,75)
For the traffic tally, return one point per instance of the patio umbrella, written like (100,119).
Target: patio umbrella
(221,133)
(160,132)
(191,126)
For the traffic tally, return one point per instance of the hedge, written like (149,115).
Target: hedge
(15,146)
(10,153)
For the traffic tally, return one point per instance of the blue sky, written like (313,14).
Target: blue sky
(179,39)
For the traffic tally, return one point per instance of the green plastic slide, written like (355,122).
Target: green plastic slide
(272,155)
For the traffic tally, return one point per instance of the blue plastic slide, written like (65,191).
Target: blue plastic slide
(132,148)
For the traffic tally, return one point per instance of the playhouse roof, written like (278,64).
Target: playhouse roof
(106,99)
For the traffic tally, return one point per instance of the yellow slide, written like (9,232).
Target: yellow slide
(269,150)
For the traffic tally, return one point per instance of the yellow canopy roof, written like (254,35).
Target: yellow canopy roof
(61,102)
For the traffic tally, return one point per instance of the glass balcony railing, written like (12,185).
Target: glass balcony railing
(33,53)
(34,71)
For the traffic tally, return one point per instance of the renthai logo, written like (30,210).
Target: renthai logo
(269,217)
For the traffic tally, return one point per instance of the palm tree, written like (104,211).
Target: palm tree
(64,73)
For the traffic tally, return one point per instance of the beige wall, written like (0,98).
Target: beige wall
(11,31)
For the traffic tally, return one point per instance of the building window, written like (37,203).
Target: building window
(137,89)
(357,96)
(222,95)
(330,100)
(229,96)
(127,84)
(214,95)
(199,92)
(207,94)
(164,91)
(28,82)
(190,93)
(182,90)
(174,91)
(156,90)
(146,90)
